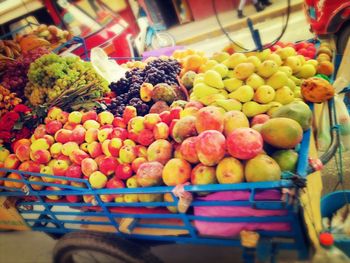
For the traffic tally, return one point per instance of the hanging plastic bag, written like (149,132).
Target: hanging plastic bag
(343,117)
(323,138)
(108,69)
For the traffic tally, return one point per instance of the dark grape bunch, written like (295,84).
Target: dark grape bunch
(128,88)
(15,76)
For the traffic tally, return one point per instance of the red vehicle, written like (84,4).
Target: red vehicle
(330,17)
(96,23)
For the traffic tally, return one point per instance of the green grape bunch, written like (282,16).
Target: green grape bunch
(51,75)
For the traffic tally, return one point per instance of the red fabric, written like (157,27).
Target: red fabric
(202,9)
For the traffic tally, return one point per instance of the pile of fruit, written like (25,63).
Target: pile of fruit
(43,35)
(324,57)
(171,148)
(254,83)
(51,75)
(141,87)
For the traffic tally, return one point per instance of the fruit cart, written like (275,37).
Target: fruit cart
(105,218)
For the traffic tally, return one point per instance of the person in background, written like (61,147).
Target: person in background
(259,6)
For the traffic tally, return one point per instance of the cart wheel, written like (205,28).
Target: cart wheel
(162,39)
(98,247)
(342,39)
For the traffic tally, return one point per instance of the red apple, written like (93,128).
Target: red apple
(161,131)
(53,126)
(94,149)
(132,136)
(63,117)
(70,125)
(73,198)
(175,113)
(195,104)
(78,156)
(151,120)
(123,171)
(137,162)
(40,131)
(119,122)
(74,171)
(121,133)
(172,124)
(129,113)
(90,115)
(108,165)
(165,117)
(114,146)
(63,135)
(145,137)
(78,134)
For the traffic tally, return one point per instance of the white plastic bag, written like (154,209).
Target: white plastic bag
(108,69)
(323,138)
(343,117)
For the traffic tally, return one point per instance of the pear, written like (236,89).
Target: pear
(243,94)
(230,74)
(255,81)
(232,84)
(296,80)
(286,70)
(201,90)
(313,62)
(208,65)
(252,108)
(297,92)
(213,79)
(244,70)
(263,54)
(286,52)
(255,60)
(221,69)
(284,95)
(220,56)
(229,104)
(302,59)
(294,63)
(223,92)
(274,105)
(264,94)
(207,100)
(306,71)
(198,79)
(291,84)
(275,57)
(234,60)
(277,80)
(267,68)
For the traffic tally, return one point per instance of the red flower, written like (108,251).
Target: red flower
(8,120)
(5,135)
(21,108)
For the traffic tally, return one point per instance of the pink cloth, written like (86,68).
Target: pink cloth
(233,229)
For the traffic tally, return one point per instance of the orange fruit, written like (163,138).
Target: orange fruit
(325,67)
(193,62)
